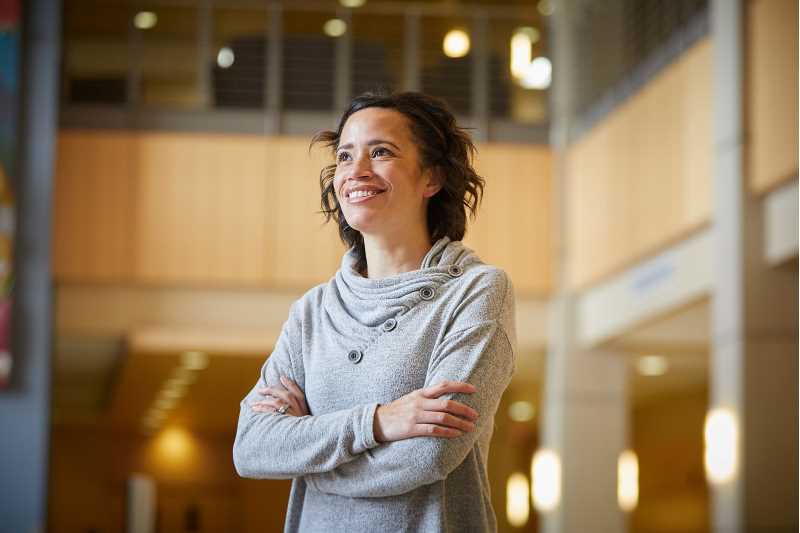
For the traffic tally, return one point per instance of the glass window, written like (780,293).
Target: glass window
(168,56)
(238,58)
(449,78)
(377,52)
(96,58)
(309,61)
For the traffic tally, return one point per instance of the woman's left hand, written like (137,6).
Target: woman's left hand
(277,397)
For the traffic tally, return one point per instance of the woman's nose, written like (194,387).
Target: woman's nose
(361,167)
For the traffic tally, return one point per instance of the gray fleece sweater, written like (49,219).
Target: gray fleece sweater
(354,343)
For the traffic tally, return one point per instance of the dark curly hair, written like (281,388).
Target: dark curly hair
(441,143)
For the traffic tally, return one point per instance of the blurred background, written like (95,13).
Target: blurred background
(158,215)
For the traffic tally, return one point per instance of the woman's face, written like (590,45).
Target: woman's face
(378,181)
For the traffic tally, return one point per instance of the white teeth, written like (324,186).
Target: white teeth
(362,194)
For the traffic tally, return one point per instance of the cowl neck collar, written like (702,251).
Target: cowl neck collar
(369,302)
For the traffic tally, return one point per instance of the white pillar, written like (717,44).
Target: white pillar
(584,405)
(754,347)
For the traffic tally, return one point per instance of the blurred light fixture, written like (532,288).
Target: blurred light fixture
(175,445)
(721,435)
(456,43)
(164,403)
(652,365)
(225,57)
(194,360)
(352,3)
(546,475)
(173,392)
(628,481)
(517,499)
(546,7)
(521,411)
(538,75)
(145,20)
(334,28)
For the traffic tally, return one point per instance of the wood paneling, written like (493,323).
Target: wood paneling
(201,209)
(303,251)
(641,179)
(771,92)
(226,210)
(512,229)
(94,202)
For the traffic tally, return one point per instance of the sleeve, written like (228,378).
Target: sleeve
(482,355)
(276,446)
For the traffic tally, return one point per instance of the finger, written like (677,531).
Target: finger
(270,403)
(296,391)
(432,430)
(446,419)
(280,393)
(445,387)
(451,406)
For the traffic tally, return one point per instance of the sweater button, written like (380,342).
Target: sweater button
(390,324)
(355,356)
(426,293)
(455,270)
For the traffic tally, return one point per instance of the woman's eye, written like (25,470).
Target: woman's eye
(380,151)
(341,156)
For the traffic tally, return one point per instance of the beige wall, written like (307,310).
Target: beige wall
(236,210)
(641,179)
(771,93)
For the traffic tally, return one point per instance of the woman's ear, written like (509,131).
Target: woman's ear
(434,181)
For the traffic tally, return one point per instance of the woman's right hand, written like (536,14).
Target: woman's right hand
(421,414)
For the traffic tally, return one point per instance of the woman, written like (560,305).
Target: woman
(379,397)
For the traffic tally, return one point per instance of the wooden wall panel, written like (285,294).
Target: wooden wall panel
(513,226)
(303,251)
(641,179)
(771,92)
(201,209)
(224,210)
(93,206)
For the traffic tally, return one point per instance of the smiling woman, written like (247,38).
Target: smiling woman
(380,394)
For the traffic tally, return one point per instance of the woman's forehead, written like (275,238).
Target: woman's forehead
(375,122)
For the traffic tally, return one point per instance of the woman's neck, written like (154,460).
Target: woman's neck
(388,256)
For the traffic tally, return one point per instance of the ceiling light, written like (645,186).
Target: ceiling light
(652,365)
(546,7)
(521,411)
(194,360)
(334,28)
(530,32)
(456,43)
(538,75)
(145,20)
(165,403)
(352,3)
(225,57)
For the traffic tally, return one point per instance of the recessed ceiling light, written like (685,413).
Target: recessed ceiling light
(225,57)
(456,43)
(145,20)
(652,365)
(194,360)
(546,7)
(352,3)
(521,411)
(334,28)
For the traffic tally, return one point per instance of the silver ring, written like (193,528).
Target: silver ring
(283,408)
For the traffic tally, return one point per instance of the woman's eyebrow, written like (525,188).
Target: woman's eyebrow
(369,143)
